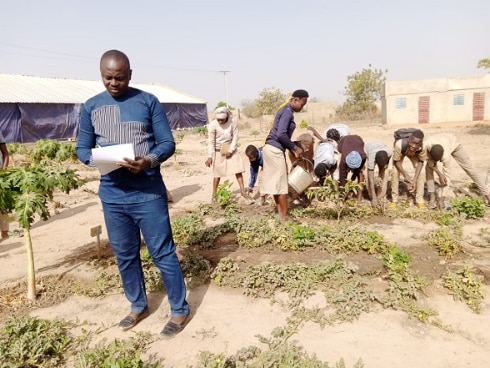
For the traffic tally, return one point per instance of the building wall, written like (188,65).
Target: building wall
(436,101)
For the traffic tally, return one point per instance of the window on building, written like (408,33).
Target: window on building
(458,100)
(401,103)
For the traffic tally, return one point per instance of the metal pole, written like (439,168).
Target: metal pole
(226,86)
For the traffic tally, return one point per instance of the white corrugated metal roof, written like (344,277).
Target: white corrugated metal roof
(30,89)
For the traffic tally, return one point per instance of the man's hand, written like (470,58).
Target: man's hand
(137,165)
(374,202)
(442,180)
(208,162)
(412,188)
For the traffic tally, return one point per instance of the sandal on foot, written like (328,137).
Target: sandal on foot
(132,319)
(171,328)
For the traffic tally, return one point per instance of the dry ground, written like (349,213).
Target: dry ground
(224,319)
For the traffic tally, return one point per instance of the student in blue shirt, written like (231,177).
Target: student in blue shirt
(255,156)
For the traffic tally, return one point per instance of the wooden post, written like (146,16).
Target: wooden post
(96,231)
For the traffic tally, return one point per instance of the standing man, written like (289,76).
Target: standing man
(417,156)
(276,143)
(353,157)
(4,162)
(441,147)
(134,196)
(379,154)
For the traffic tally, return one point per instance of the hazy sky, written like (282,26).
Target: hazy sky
(308,44)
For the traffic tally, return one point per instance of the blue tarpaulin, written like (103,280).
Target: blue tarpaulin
(30,122)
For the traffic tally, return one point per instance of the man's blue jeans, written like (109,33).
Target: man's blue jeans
(124,223)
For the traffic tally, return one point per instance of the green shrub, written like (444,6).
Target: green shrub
(30,342)
(472,207)
(200,130)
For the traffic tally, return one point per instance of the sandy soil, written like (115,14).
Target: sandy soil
(225,320)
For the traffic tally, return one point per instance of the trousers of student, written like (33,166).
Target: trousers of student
(461,157)
(395,182)
(124,223)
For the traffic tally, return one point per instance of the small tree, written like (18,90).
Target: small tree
(249,109)
(224,104)
(336,194)
(27,190)
(269,101)
(483,63)
(362,91)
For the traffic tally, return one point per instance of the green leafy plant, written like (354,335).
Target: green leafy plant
(466,285)
(30,342)
(304,234)
(223,193)
(472,207)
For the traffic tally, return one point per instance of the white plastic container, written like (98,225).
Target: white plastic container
(299,179)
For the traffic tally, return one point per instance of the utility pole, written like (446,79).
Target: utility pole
(226,86)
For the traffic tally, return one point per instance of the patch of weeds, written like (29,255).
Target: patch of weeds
(118,354)
(204,209)
(447,240)
(105,282)
(404,285)
(30,342)
(472,207)
(484,241)
(297,279)
(278,352)
(197,233)
(347,239)
(349,298)
(188,229)
(449,218)
(191,230)
(195,268)
(466,285)
(223,273)
(152,275)
(262,231)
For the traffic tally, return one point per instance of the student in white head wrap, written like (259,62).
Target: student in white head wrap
(223,154)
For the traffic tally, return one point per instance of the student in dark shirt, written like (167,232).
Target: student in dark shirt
(353,157)
(277,142)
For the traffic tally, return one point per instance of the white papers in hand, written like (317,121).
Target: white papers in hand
(105,158)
